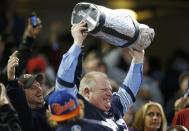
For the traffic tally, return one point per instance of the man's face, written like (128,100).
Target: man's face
(34,94)
(101,94)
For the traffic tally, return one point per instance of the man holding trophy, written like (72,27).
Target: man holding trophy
(95,89)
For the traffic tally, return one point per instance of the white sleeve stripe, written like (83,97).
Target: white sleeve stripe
(125,99)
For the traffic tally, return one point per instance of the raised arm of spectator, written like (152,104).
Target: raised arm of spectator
(133,80)
(16,94)
(66,72)
(25,48)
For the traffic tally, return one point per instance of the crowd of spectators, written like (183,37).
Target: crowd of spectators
(35,79)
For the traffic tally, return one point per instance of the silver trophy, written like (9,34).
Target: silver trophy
(114,26)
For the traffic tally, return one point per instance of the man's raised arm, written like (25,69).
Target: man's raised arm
(66,72)
(133,80)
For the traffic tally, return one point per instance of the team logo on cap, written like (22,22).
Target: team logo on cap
(59,109)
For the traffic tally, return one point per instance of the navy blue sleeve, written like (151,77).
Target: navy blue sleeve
(9,119)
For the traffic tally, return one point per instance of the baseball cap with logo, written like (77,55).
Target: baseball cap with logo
(63,106)
(28,79)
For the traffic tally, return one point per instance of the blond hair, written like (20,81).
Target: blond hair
(140,117)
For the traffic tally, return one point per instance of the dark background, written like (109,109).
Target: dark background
(169,18)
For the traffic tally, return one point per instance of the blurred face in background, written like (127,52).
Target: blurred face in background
(152,119)
(92,65)
(184,85)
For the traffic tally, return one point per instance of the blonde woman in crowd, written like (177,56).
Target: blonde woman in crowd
(150,117)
